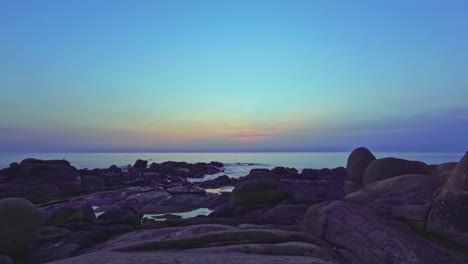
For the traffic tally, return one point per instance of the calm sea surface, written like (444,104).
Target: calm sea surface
(236,164)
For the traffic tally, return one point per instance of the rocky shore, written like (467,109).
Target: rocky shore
(385,210)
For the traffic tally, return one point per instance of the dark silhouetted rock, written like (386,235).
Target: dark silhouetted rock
(262,191)
(20,222)
(217,164)
(385,168)
(279,170)
(140,164)
(310,174)
(358,161)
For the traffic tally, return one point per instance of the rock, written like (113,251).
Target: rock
(385,168)
(351,186)
(310,174)
(449,213)
(259,191)
(279,170)
(283,214)
(372,239)
(91,182)
(20,222)
(140,164)
(5,259)
(358,161)
(221,181)
(310,192)
(406,197)
(444,170)
(118,216)
(60,216)
(42,193)
(217,164)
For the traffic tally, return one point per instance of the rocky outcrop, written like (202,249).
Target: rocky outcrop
(140,164)
(406,197)
(372,239)
(20,221)
(385,168)
(357,163)
(254,192)
(40,180)
(444,170)
(449,214)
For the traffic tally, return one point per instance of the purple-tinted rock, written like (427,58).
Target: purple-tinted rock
(75,211)
(449,213)
(358,161)
(310,192)
(20,221)
(283,214)
(351,186)
(385,168)
(310,174)
(259,191)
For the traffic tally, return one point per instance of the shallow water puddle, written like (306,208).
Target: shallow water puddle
(220,190)
(163,217)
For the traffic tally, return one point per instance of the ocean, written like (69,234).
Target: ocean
(236,164)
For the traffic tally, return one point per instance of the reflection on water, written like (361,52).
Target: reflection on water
(220,190)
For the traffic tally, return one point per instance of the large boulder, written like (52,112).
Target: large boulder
(385,168)
(449,214)
(140,164)
(258,191)
(406,197)
(357,163)
(373,239)
(20,222)
(443,171)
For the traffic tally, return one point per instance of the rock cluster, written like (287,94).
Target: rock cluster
(384,210)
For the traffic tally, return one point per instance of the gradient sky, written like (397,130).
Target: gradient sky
(216,75)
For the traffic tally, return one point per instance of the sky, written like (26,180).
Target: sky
(175,75)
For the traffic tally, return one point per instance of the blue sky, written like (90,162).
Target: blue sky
(233,75)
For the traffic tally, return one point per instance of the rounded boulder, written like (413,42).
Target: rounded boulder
(255,192)
(20,221)
(358,161)
(381,169)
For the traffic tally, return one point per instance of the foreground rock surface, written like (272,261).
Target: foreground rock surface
(405,212)
(20,222)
